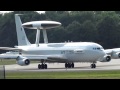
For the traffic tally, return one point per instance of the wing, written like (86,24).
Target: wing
(9,48)
(115,52)
(55,58)
(48,58)
(108,51)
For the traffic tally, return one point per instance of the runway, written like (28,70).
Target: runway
(114,64)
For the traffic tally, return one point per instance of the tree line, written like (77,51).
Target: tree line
(102,27)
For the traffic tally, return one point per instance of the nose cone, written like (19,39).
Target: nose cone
(99,54)
(102,52)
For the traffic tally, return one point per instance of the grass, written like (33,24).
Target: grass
(60,75)
(65,75)
(7,62)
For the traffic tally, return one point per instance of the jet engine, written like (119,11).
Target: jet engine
(22,61)
(115,55)
(106,58)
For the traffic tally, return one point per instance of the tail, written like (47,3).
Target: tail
(21,36)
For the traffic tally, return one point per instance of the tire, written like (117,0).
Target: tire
(94,65)
(66,65)
(45,66)
(39,66)
(69,65)
(72,65)
(91,66)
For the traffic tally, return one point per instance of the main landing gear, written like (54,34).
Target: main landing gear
(69,65)
(42,66)
(93,65)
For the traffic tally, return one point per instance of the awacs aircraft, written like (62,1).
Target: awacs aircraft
(67,53)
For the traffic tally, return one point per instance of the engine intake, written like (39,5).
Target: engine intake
(22,61)
(106,58)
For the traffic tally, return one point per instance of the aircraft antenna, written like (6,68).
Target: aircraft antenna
(37,37)
(45,36)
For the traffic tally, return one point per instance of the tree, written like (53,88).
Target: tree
(102,27)
(108,29)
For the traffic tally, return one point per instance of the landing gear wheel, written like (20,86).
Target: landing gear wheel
(45,66)
(72,65)
(66,65)
(69,65)
(39,66)
(93,66)
(42,66)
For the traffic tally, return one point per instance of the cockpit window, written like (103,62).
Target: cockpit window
(98,48)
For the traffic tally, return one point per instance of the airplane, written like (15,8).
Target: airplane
(114,53)
(67,53)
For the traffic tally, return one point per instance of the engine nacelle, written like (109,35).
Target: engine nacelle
(106,58)
(115,55)
(22,61)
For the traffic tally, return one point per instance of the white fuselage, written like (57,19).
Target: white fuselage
(74,52)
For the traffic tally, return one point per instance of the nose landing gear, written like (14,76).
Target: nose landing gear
(93,65)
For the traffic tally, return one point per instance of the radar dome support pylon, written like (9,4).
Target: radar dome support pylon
(45,36)
(38,37)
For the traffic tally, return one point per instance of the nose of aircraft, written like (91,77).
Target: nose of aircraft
(103,53)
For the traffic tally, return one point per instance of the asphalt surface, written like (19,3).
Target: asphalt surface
(114,64)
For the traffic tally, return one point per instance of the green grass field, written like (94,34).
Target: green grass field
(7,62)
(60,75)
(65,75)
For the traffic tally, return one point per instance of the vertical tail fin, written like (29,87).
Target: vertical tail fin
(21,36)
